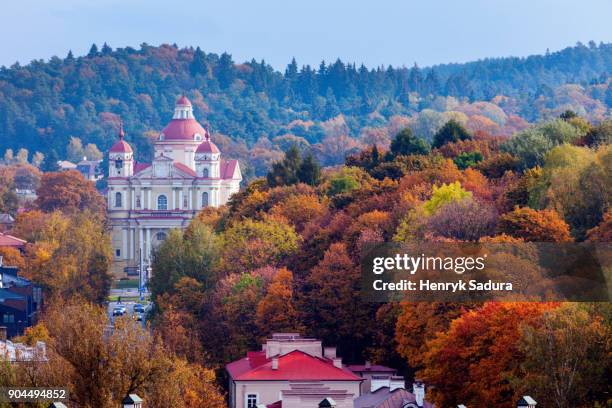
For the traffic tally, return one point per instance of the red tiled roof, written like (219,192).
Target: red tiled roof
(138,167)
(277,404)
(185,169)
(207,147)
(11,241)
(184,101)
(121,147)
(294,366)
(183,129)
(228,168)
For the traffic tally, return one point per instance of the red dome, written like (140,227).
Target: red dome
(121,147)
(183,101)
(183,129)
(207,147)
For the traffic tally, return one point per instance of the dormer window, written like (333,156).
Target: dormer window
(197,137)
(161,137)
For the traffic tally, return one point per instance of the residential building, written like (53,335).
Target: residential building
(20,301)
(292,371)
(90,169)
(146,200)
(10,241)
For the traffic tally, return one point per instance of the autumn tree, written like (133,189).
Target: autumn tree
(418,323)
(330,303)
(69,255)
(480,347)
(69,192)
(249,244)
(445,194)
(465,220)
(534,225)
(102,366)
(276,312)
(566,356)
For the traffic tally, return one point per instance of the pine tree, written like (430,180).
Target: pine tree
(406,143)
(452,131)
(50,161)
(93,51)
(198,65)
(292,70)
(309,171)
(106,49)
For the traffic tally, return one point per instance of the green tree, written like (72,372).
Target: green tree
(309,171)
(566,357)
(468,159)
(192,254)
(452,131)
(49,164)
(405,143)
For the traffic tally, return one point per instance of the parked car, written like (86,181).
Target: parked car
(138,308)
(119,310)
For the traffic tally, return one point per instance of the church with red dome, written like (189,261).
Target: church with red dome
(146,200)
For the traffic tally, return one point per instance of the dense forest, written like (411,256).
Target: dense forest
(334,109)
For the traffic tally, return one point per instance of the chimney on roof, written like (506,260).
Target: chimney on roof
(337,362)
(275,363)
(2,333)
(418,389)
(396,382)
(329,352)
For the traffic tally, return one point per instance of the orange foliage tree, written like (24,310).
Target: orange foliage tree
(69,192)
(471,362)
(534,225)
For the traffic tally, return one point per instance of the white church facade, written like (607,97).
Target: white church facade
(146,200)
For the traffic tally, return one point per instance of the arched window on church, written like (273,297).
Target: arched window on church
(204,199)
(162,202)
(118,201)
(205,172)
(160,236)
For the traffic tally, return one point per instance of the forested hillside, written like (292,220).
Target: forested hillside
(333,109)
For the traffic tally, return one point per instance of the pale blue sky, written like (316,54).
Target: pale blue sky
(373,32)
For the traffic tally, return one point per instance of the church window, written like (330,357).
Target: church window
(138,201)
(118,201)
(160,236)
(205,172)
(118,164)
(204,199)
(118,253)
(162,202)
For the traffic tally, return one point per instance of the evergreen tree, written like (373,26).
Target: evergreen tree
(50,162)
(198,66)
(106,49)
(309,171)
(292,70)
(406,143)
(93,51)
(452,131)
(225,70)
